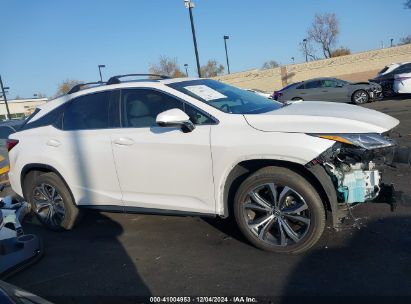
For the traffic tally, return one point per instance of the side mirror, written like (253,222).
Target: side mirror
(175,118)
(339,85)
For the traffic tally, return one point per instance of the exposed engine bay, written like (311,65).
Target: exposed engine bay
(354,165)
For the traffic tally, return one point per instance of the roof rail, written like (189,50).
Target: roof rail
(116,79)
(78,87)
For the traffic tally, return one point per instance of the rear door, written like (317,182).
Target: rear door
(83,148)
(312,90)
(331,90)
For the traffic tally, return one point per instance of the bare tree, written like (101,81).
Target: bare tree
(66,85)
(405,40)
(212,69)
(324,31)
(270,65)
(166,66)
(341,51)
(308,50)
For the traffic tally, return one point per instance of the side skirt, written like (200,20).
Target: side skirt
(153,211)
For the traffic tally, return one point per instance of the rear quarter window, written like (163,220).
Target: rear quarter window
(51,118)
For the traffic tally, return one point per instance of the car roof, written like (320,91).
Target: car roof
(53,103)
(320,78)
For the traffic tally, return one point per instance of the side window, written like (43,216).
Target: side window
(313,84)
(51,118)
(88,112)
(196,116)
(329,83)
(406,68)
(140,107)
(300,87)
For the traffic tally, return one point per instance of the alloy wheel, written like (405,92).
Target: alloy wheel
(48,204)
(361,97)
(276,214)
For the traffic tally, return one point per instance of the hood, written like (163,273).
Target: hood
(322,117)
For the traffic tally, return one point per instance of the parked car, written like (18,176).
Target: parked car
(386,76)
(331,89)
(259,92)
(402,83)
(200,147)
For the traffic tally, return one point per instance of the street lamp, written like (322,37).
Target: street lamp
(189,4)
(292,58)
(4,97)
(226,54)
(99,70)
(305,49)
(185,66)
(391,41)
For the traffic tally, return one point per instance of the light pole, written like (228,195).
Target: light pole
(99,70)
(189,4)
(292,58)
(226,53)
(391,41)
(4,97)
(185,66)
(305,49)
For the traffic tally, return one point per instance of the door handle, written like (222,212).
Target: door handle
(124,141)
(53,143)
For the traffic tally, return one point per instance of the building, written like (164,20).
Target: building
(20,108)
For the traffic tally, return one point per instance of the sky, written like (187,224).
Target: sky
(44,42)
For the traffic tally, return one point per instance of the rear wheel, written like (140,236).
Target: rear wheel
(278,210)
(51,202)
(360,97)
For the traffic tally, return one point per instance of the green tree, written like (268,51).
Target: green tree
(212,69)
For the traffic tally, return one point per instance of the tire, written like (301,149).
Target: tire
(300,208)
(360,97)
(55,209)
(297,98)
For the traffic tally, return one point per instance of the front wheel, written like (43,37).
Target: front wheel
(279,210)
(360,97)
(51,202)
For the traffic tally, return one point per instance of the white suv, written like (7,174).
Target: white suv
(199,147)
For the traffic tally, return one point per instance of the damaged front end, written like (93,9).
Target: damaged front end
(353,165)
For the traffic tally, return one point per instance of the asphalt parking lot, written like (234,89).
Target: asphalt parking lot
(139,255)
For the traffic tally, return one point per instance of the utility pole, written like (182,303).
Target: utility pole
(226,53)
(189,4)
(99,70)
(305,49)
(5,98)
(186,65)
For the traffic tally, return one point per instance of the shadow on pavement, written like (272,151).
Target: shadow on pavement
(373,263)
(89,260)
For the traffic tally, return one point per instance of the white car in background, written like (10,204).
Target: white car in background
(200,147)
(402,83)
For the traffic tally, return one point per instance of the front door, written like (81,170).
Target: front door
(162,168)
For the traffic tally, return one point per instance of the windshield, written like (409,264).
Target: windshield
(225,97)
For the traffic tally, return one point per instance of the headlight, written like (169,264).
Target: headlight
(367,141)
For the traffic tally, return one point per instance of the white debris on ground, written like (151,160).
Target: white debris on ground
(12,212)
